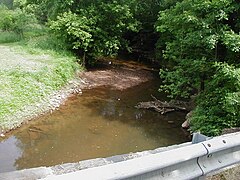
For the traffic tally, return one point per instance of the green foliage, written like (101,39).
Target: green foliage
(186,78)
(219,105)
(232,41)
(97,30)
(49,9)
(146,11)
(7,3)
(198,35)
(40,64)
(9,37)
(22,87)
(15,21)
(74,29)
(49,42)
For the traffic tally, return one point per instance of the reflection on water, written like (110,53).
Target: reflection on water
(100,123)
(10,151)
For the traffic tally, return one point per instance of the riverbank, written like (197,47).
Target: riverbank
(38,83)
(31,83)
(117,75)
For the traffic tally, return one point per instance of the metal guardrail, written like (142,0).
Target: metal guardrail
(188,162)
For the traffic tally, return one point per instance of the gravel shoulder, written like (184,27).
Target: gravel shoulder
(229,173)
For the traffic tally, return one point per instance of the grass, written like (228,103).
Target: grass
(9,37)
(31,70)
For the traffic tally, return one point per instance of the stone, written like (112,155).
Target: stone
(186,124)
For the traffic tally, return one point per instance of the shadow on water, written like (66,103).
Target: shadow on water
(100,123)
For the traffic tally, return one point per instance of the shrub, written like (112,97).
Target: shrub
(219,105)
(16,21)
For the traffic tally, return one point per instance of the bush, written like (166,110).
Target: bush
(9,37)
(219,105)
(16,21)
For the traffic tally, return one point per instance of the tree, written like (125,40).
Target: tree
(143,42)
(199,34)
(97,29)
(14,20)
(145,12)
(46,9)
(219,105)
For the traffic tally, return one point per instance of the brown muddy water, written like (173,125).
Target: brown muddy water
(100,123)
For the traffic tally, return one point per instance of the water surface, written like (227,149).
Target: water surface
(102,122)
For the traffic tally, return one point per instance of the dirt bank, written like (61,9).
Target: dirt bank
(118,78)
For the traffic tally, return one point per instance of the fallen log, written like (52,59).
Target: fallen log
(164,107)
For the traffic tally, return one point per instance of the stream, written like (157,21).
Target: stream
(99,123)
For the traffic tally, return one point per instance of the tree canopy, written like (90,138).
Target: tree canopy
(96,30)
(202,51)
